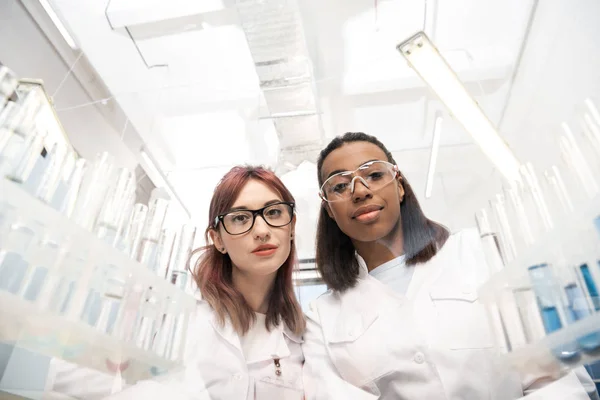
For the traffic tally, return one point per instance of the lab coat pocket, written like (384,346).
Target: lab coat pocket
(462,322)
(274,388)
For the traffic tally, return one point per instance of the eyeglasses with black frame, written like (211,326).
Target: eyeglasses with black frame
(238,222)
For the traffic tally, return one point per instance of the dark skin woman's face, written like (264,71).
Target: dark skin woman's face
(385,202)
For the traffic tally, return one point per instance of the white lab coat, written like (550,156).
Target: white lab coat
(214,368)
(434,343)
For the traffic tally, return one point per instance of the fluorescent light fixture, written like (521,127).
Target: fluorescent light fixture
(160,180)
(435,148)
(58,23)
(425,59)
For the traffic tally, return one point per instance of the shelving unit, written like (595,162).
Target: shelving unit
(514,278)
(66,336)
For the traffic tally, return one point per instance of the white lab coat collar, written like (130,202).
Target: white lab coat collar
(345,316)
(274,347)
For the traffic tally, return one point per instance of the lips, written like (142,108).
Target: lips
(264,248)
(366,209)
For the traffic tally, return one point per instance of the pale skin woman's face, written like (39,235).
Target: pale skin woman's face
(262,250)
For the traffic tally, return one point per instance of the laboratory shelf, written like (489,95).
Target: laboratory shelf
(567,232)
(64,334)
(539,356)
(27,327)
(570,236)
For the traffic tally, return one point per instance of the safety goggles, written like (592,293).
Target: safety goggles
(374,175)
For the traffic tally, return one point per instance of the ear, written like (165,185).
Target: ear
(293,228)
(400,189)
(325,205)
(218,242)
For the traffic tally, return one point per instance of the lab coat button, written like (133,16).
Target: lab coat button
(419,358)
(351,333)
(237,377)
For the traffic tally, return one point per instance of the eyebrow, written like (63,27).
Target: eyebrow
(268,203)
(337,171)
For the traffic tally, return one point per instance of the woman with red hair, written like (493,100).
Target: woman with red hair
(244,340)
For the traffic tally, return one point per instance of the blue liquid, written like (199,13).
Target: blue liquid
(591,285)
(577,310)
(551,319)
(568,352)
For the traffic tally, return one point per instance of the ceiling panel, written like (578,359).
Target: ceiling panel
(203,107)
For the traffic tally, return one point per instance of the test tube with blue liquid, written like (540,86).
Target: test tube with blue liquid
(546,291)
(527,314)
(534,220)
(569,257)
(591,286)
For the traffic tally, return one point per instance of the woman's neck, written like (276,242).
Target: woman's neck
(383,250)
(255,288)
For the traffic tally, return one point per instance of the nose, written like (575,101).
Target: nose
(261,230)
(360,189)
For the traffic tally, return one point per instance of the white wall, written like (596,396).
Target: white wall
(559,69)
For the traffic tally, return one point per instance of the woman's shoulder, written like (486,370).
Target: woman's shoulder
(461,241)
(202,313)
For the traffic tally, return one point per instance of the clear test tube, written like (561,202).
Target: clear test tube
(8,123)
(92,192)
(17,121)
(166,246)
(148,321)
(46,258)
(538,198)
(576,163)
(23,163)
(591,132)
(109,228)
(57,284)
(559,196)
(125,327)
(110,304)
(171,335)
(8,84)
(133,232)
(590,124)
(505,312)
(21,234)
(178,332)
(178,271)
(148,251)
(48,183)
(527,314)
(111,218)
(508,247)
(520,220)
(66,203)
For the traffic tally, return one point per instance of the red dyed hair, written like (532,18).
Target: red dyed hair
(213,271)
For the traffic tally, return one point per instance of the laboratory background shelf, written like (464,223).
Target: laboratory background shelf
(25,324)
(539,356)
(569,233)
